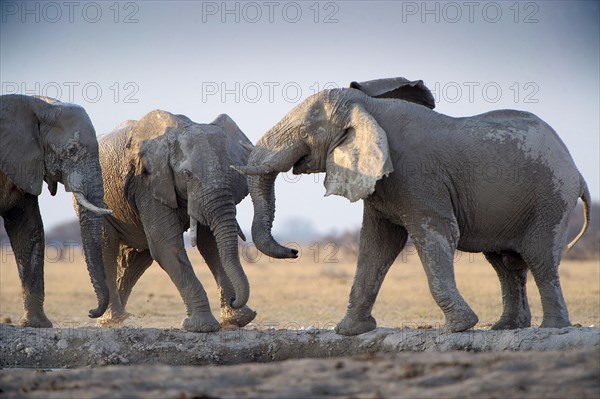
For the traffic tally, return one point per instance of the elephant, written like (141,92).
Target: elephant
(502,183)
(165,174)
(44,139)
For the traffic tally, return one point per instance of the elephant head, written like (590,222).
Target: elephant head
(185,164)
(46,140)
(329,132)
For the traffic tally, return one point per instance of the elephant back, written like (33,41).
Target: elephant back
(399,88)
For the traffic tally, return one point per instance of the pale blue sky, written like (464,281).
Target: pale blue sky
(542,56)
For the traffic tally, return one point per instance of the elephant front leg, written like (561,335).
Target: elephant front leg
(380,243)
(165,240)
(435,240)
(230,318)
(512,272)
(26,233)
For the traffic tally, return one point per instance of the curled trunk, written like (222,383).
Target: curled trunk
(276,152)
(219,212)
(262,191)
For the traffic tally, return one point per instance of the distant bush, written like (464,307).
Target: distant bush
(588,247)
(67,232)
(347,241)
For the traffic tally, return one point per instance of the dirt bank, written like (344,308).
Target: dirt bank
(148,362)
(80,347)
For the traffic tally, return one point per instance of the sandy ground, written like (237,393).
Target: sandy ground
(290,349)
(310,291)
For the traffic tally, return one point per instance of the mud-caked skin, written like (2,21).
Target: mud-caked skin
(501,183)
(163,175)
(44,140)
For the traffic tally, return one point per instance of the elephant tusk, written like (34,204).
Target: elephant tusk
(238,169)
(240,232)
(193,231)
(88,205)
(253,170)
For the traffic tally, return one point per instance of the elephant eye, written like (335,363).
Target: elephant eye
(187,173)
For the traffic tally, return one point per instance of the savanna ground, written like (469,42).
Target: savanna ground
(308,295)
(310,291)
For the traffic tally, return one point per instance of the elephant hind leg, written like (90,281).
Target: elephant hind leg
(115,314)
(544,267)
(512,272)
(546,240)
(132,264)
(25,230)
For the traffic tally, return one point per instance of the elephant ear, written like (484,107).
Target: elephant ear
(150,150)
(21,154)
(238,145)
(238,148)
(360,160)
(400,88)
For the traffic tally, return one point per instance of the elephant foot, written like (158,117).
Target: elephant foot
(458,321)
(512,323)
(353,327)
(35,320)
(555,322)
(112,318)
(203,322)
(235,318)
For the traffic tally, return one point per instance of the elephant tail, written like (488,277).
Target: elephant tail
(587,200)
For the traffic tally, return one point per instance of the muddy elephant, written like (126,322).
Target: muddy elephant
(501,183)
(46,140)
(165,174)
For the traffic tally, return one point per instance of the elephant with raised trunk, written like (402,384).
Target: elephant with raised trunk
(501,183)
(165,174)
(42,139)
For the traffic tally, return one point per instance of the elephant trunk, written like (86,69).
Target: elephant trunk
(219,213)
(276,152)
(262,192)
(90,222)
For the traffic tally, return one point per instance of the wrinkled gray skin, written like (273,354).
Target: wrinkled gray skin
(501,183)
(46,140)
(162,174)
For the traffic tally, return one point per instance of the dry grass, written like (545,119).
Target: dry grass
(306,292)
